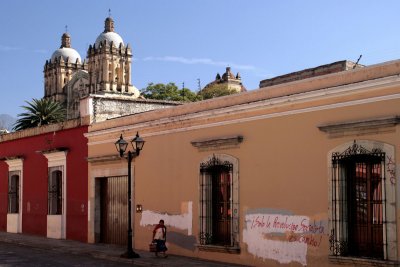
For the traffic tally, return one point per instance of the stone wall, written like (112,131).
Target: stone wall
(311,72)
(107,107)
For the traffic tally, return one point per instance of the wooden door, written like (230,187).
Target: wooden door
(114,210)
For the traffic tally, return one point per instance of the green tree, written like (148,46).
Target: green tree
(161,91)
(188,95)
(216,90)
(169,92)
(39,112)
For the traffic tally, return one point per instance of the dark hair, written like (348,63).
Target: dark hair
(161,221)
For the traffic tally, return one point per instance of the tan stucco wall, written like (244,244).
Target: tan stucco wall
(283,161)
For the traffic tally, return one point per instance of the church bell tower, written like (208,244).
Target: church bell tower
(109,64)
(59,70)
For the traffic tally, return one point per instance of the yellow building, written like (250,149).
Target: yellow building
(297,173)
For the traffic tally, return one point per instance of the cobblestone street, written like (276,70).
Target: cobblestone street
(18,255)
(28,250)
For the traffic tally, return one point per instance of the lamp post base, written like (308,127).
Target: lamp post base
(130,255)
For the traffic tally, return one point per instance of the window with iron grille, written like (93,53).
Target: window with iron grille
(13,192)
(358,218)
(55,190)
(218,203)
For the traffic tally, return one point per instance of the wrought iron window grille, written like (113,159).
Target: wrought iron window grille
(216,186)
(55,192)
(358,216)
(13,192)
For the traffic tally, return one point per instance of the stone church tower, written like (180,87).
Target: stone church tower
(59,70)
(109,64)
(106,71)
(228,80)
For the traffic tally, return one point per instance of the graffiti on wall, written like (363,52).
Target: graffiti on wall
(281,237)
(391,169)
(181,221)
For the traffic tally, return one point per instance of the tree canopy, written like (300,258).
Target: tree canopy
(171,92)
(39,112)
(168,91)
(216,90)
(188,95)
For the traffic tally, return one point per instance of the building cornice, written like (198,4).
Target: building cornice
(127,97)
(14,163)
(271,104)
(70,124)
(351,79)
(54,150)
(361,127)
(106,158)
(217,142)
(12,158)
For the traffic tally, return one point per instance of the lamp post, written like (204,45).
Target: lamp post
(121,145)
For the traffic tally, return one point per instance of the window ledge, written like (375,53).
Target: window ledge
(361,261)
(101,159)
(362,127)
(54,150)
(12,158)
(222,249)
(218,143)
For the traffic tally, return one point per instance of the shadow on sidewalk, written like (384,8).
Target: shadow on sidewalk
(104,251)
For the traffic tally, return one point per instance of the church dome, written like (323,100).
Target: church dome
(109,37)
(67,53)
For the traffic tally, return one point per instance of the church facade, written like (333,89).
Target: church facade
(103,77)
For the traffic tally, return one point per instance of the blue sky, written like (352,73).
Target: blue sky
(185,40)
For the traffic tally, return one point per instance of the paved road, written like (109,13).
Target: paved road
(14,255)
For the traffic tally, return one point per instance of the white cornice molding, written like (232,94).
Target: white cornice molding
(106,158)
(218,142)
(14,164)
(56,158)
(361,127)
(137,127)
(373,123)
(262,104)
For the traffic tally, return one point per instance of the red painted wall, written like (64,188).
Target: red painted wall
(35,181)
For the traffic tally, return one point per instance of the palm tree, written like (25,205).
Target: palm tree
(39,112)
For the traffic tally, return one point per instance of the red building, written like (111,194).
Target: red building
(43,181)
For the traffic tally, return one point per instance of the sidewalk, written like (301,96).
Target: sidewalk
(104,251)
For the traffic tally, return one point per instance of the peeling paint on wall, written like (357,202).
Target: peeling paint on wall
(181,221)
(281,237)
(269,211)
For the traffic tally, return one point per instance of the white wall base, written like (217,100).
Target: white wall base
(13,223)
(55,226)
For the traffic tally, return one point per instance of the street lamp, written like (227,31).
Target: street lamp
(121,145)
